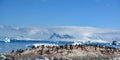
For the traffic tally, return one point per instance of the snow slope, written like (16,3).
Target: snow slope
(61,33)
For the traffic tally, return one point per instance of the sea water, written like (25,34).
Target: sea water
(23,44)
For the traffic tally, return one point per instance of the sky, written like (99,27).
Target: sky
(95,13)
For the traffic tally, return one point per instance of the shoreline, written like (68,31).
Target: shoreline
(67,51)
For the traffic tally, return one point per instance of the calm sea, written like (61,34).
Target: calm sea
(23,44)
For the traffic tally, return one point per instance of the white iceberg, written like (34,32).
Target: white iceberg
(6,39)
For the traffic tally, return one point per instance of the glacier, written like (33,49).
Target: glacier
(60,33)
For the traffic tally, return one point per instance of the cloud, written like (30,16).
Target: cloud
(44,33)
(34,31)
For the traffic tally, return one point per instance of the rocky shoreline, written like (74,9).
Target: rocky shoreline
(66,52)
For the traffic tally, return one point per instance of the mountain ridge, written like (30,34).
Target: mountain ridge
(66,33)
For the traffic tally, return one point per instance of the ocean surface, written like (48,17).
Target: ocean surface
(23,44)
(6,47)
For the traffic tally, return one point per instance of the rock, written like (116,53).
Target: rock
(115,43)
(8,58)
(57,52)
(62,58)
(40,58)
(2,57)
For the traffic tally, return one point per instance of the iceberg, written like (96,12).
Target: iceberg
(6,39)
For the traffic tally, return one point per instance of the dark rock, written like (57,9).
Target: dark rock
(115,43)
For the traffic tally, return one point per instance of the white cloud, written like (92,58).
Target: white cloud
(34,31)
(80,33)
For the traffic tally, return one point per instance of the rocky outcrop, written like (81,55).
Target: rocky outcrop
(115,43)
(67,51)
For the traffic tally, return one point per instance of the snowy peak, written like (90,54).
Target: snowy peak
(57,36)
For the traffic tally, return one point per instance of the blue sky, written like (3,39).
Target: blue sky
(95,13)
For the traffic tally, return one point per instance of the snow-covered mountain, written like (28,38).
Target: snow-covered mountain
(57,36)
(64,33)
